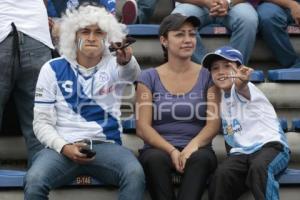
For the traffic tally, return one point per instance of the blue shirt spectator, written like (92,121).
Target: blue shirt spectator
(57,7)
(239,17)
(274,17)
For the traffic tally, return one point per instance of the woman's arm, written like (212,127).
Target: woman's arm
(211,128)
(144,109)
(144,129)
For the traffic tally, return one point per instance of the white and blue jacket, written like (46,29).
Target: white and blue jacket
(71,105)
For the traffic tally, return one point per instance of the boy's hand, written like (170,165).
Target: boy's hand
(242,77)
(243,72)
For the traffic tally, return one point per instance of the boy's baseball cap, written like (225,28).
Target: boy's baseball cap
(225,52)
(174,21)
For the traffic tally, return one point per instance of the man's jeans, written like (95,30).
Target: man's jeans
(242,20)
(145,10)
(113,165)
(273,21)
(19,79)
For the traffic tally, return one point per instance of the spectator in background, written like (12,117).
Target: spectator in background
(274,17)
(255,142)
(77,103)
(24,47)
(137,11)
(238,16)
(56,8)
(177,115)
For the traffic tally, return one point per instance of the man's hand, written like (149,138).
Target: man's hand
(123,51)
(124,55)
(72,151)
(218,8)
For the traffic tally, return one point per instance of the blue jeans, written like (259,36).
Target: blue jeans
(273,21)
(113,165)
(145,10)
(19,79)
(241,20)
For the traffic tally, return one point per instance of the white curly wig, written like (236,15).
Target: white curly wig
(84,16)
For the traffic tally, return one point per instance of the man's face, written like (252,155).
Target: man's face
(220,70)
(90,42)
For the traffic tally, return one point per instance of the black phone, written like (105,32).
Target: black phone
(128,41)
(87,151)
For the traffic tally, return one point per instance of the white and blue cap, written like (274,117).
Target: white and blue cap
(225,52)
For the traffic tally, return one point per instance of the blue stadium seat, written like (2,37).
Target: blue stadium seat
(290,177)
(143,29)
(296,124)
(257,76)
(284,124)
(152,30)
(281,75)
(129,125)
(213,29)
(11,178)
(14,179)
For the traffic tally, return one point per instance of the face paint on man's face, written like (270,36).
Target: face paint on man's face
(80,44)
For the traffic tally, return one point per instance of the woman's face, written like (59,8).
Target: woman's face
(181,43)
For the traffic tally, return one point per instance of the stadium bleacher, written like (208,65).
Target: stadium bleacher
(296,124)
(279,85)
(284,75)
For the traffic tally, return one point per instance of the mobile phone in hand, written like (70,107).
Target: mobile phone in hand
(87,151)
(118,45)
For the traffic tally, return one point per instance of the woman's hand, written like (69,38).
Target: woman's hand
(186,153)
(175,154)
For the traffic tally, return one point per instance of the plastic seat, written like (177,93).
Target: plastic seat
(257,76)
(296,124)
(284,75)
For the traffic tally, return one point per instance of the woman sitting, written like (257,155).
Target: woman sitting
(177,115)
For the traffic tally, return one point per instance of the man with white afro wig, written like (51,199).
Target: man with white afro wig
(77,109)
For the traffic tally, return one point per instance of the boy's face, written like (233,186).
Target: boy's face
(220,70)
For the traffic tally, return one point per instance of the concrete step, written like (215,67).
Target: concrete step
(286,193)
(8,150)
(149,53)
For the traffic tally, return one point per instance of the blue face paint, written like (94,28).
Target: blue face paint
(79,44)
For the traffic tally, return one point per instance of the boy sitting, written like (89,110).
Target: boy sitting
(256,145)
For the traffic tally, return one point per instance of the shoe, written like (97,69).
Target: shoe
(129,12)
